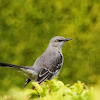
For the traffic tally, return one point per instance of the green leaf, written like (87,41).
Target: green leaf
(38,88)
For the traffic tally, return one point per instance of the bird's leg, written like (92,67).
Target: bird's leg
(38,94)
(36,91)
(50,90)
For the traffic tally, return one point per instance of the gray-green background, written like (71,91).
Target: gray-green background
(26,26)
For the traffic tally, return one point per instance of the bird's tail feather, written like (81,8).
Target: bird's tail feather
(11,65)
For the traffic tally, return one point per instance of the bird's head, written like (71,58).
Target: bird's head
(58,41)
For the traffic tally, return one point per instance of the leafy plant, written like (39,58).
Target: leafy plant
(51,90)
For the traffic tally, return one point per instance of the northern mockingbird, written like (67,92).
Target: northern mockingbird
(48,65)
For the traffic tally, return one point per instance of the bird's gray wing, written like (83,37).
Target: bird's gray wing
(44,74)
(50,69)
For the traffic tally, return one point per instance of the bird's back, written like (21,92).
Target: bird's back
(49,59)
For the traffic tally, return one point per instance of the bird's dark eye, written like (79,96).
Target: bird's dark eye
(59,40)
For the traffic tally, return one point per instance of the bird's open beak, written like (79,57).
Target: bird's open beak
(67,39)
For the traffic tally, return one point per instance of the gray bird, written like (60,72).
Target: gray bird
(48,65)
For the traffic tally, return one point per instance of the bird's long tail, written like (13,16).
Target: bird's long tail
(24,69)
(11,65)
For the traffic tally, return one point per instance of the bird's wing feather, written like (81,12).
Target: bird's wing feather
(44,74)
(53,66)
(27,81)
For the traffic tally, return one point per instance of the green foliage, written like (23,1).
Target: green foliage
(51,90)
(26,26)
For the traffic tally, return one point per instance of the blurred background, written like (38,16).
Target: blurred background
(26,26)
